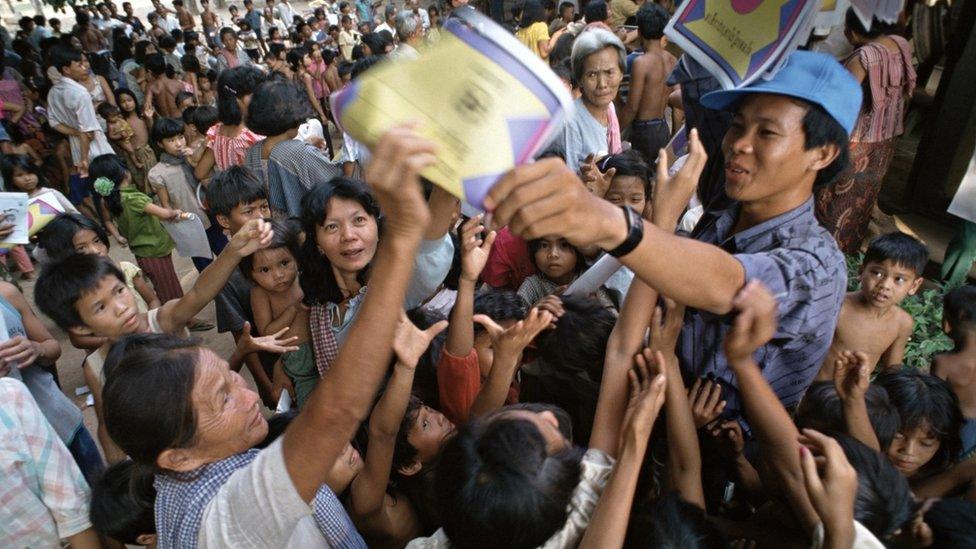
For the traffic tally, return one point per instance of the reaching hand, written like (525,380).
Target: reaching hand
(706,402)
(393,177)
(514,340)
(474,250)
(647,393)
(754,325)
(728,436)
(665,327)
(832,491)
(552,303)
(19,351)
(672,194)
(410,342)
(253,236)
(273,343)
(852,373)
(596,181)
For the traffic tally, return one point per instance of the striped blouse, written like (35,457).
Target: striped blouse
(230,151)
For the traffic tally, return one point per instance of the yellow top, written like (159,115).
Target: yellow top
(532,35)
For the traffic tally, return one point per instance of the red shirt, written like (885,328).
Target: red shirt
(508,262)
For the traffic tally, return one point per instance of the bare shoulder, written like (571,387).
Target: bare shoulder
(905,321)
(9,291)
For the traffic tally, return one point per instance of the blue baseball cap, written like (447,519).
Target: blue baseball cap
(813,77)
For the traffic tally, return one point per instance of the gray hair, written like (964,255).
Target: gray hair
(592,41)
(407,23)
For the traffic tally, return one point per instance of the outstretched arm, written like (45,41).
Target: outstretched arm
(852,373)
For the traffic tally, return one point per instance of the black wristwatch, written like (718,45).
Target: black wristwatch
(635,233)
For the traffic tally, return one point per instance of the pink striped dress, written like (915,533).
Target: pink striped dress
(230,151)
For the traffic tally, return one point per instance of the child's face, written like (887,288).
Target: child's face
(86,241)
(24,180)
(910,450)
(274,269)
(174,145)
(241,214)
(556,259)
(627,190)
(109,310)
(126,103)
(204,84)
(429,432)
(348,236)
(114,118)
(885,284)
(345,469)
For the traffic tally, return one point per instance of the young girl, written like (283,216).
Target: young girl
(119,132)
(301,63)
(139,124)
(276,301)
(317,68)
(22,175)
(558,263)
(138,221)
(208,97)
(227,142)
(274,36)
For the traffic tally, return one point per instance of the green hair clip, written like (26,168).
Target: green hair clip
(104,186)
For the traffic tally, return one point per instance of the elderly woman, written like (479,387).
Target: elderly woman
(197,437)
(599,63)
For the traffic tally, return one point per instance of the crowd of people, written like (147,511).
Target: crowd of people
(449,384)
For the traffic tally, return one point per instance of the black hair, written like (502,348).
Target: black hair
(629,163)
(156,64)
(62,55)
(821,409)
(116,511)
(878,28)
(231,188)
(283,236)
(924,399)
(10,162)
(884,501)
(499,305)
(497,486)
(140,418)
(57,237)
(345,68)
(651,20)
(903,249)
(119,92)
(377,42)
(563,72)
(39,20)
(167,42)
(360,66)
(106,109)
(190,63)
(190,36)
(295,56)
(204,118)
(140,54)
(579,342)
(187,115)
(183,95)
(532,12)
(819,128)
(275,49)
(165,128)
(277,107)
(114,168)
(958,309)
(225,31)
(317,279)
(405,453)
(62,283)
(670,521)
(536,243)
(953,523)
(595,10)
(121,48)
(234,84)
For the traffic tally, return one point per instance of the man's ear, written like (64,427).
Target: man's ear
(412,469)
(916,285)
(80,331)
(148,540)
(178,459)
(824,155)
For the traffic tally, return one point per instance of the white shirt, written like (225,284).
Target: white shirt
(69,103)
(383,26)
(286,13)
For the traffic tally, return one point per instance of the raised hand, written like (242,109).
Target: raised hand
(852,371)
(672,194)
(410,342)
(474,250)
(273,343)
(832,490)
(755,323)
(666,326)
(729,438)
(647,379)
(706,401)
(596,181)
(511,342)
(253,236)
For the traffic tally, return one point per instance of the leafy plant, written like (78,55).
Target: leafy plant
(927,339)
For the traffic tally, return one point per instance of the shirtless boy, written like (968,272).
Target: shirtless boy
(162,90)
(870,320)
(648,96)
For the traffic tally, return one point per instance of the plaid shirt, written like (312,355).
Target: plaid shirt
(43,495)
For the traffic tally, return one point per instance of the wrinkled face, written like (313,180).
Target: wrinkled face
(764,156)
(241,214)
(127,103)
(24,180)
(174,145)
(601,77)
(887,283)
(627,190)
(274,269)
(912,449)
(429,432)
(228,413)
(109,310)
(86,241)
(348,236)
(546,423)
(345,469)
(556,258)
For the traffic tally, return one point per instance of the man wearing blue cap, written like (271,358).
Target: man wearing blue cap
(788,134)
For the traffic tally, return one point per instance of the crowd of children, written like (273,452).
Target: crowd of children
(425,376)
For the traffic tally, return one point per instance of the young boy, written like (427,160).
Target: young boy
(958,367)
(648,96)
(349,38)
(162,90)
(87,295)
(172,177)
(870,320)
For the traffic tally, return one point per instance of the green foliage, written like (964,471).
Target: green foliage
(927,339)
